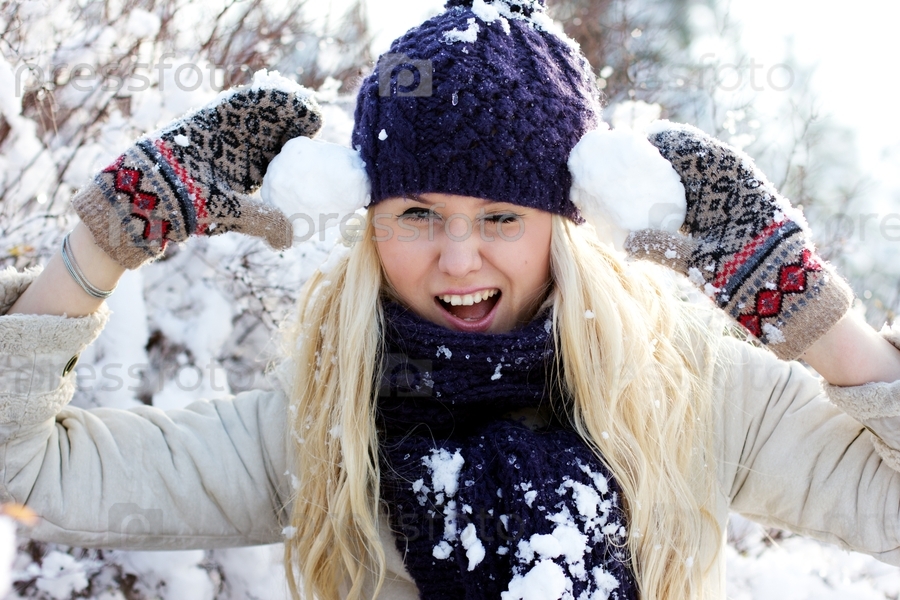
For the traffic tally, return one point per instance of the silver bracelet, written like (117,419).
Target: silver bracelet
(78,276)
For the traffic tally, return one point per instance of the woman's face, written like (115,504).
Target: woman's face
(465,263)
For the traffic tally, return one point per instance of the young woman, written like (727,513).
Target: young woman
(480,399)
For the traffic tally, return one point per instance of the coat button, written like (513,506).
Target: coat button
(70,365)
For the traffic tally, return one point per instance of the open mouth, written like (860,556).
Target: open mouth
(470,307)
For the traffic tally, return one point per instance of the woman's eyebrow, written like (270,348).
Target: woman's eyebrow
(489,206)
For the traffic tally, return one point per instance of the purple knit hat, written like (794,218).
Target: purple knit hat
(486,99)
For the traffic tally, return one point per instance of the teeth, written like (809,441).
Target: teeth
(469,299)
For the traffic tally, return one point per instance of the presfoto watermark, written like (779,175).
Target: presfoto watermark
(161,74)
(731,77)
(457,227)
(859,226)
(400,75)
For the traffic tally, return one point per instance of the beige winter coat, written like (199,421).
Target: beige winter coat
(216,473)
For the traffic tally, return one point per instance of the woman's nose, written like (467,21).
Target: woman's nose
(460,247)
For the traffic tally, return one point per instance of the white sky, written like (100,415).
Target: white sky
(853,46)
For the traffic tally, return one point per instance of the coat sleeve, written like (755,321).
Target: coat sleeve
(210,475)
(791,459)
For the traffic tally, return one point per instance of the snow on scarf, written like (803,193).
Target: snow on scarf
(484,505)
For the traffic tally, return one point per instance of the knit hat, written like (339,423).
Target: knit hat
(486,99)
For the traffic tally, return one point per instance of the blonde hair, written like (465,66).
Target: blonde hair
(638,373)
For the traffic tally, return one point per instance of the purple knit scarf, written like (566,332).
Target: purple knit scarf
(483,504)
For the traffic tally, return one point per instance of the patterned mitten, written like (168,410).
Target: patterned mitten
(193,176)
(744,245)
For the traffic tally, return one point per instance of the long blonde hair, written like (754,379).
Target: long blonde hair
(636,363)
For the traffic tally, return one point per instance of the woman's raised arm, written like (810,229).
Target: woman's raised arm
(852,353)
(193,177)
(749,250)
(55,292)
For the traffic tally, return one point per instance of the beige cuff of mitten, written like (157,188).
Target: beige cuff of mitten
(875,405)
(815,316)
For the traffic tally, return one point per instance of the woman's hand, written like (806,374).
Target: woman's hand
(744,245)
(193,176)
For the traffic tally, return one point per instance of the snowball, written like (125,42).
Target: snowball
(449,519)
(600,481)
(316,184)
(530,497)
(606,583)
(442,551)
(773,334)
(445,470)
(572,543)
(484,11)
(589,314)
(586,499)
(273,80)
(545,580)
(546,545)
(182,140)
(382,135)
(469,35)
(474,548)
(621,183)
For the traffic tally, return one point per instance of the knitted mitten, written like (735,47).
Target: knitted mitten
(744,245)
(193,176)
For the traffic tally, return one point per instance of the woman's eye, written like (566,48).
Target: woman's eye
(501,217)
(418,214)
